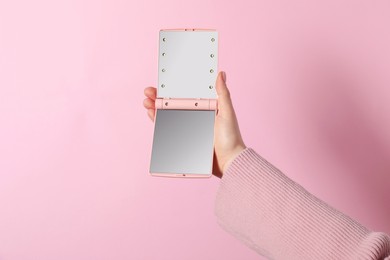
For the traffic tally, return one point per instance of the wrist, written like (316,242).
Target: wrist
(233,155)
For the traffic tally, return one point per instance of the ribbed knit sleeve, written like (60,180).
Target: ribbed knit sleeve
(279,219)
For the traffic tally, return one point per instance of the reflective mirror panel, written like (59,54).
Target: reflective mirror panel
(187,64)
(183,142)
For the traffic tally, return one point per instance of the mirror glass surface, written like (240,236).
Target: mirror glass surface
(183,142)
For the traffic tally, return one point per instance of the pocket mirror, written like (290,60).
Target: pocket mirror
(183,140)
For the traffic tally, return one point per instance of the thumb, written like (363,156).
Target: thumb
(225,106)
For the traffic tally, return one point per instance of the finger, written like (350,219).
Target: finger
(149,103)
(224,101)
(150,92)
(151,114)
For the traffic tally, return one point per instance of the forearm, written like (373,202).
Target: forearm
(281,220)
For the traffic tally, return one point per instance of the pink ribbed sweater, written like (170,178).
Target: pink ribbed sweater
(279,219)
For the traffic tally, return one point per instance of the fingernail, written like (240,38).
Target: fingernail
(223,74)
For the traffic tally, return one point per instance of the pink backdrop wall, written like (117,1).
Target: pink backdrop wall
(310,82)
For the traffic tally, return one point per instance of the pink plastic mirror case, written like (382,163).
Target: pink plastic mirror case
(183,140)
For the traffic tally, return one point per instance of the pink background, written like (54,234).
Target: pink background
(310,82)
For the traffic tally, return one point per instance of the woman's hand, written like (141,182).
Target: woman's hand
(228,142)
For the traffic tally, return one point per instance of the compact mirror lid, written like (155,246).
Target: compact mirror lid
(187,66)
